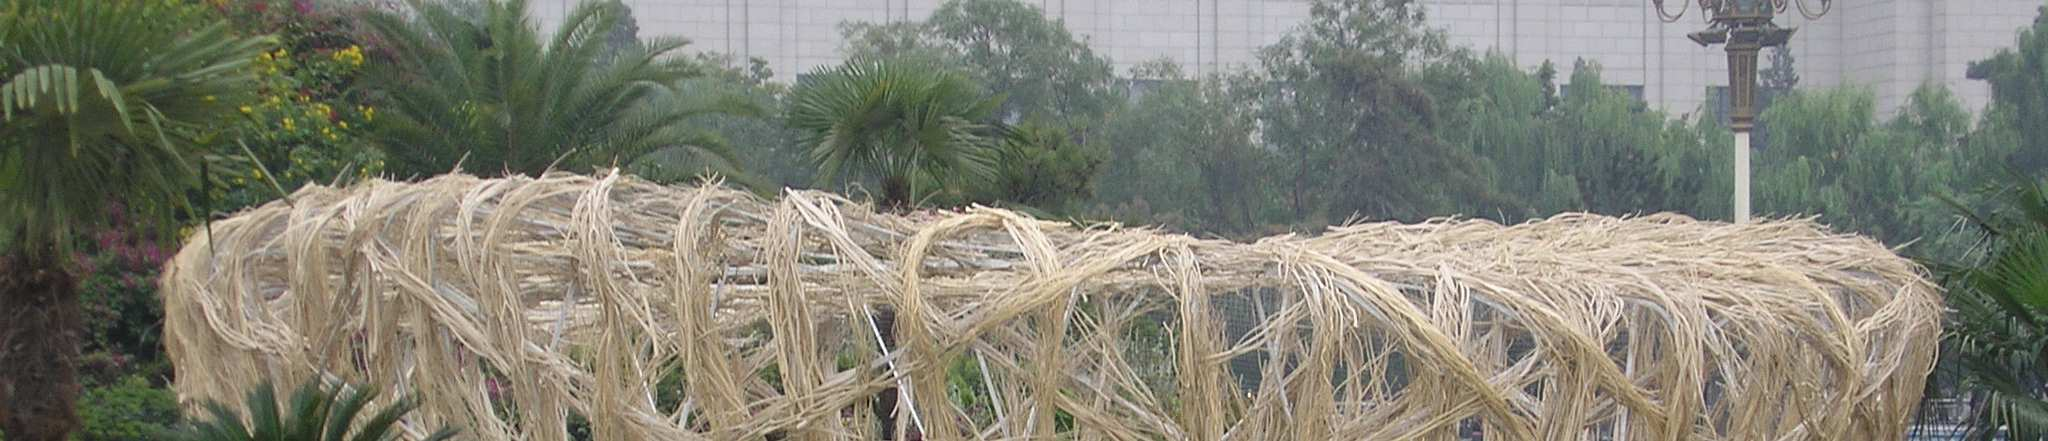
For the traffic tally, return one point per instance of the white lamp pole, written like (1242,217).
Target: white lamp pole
(1743,27)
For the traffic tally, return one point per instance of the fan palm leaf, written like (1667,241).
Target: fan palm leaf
(1998,329)
(99,105)
(898,120)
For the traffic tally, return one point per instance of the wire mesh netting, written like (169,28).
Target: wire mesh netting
(513,306)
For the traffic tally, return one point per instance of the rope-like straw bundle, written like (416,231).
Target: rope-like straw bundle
(705,313)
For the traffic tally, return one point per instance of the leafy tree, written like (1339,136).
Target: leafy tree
(1546,75)
(1343,112)
(2019,93)
(1831,158)
(1184,154)
(103,101)
(1594,149)
(1043,72)
(900,39)
(1009,46)
(1783,75)
(1610,145)
(1041,168)
(625,33)
(1496,111)
(906,123)
(491,95)
(315,412)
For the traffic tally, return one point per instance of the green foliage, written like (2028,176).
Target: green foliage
(315,412)
(1341,109)
(1998,327)
(1041,69)
(1783,74)
(1185,156)
(1043,168)
(129,409)
(1829,157)
(1593,149)
(489,93)
(770,154)
(2019,89)
(766,163)
(122,312)
(907,123)
(1043,72)
(306,127)
(107,100)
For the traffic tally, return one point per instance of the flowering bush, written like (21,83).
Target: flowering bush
(118,293)
(307,128)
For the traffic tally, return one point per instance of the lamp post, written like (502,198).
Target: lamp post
(1743,28)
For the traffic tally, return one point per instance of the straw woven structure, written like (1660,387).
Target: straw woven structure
(705,313)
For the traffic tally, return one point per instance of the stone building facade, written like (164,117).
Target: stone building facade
(1891,46)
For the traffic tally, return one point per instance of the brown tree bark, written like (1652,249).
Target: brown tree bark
(39,336)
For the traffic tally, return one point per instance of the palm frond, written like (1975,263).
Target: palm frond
(894,119)
(104,104)
(497,92)
(316,411)
(1997,326)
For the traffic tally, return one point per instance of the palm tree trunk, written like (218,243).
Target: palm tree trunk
(39,333)
(896,192)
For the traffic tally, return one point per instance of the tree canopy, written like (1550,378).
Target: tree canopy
(1041,69)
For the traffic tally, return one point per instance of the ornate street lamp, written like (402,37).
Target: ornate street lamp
(1743,27)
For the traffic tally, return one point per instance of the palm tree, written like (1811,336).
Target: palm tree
(903,122)
(1042,169)
(1999,325)
(103,102)
(476,85)
(316,412)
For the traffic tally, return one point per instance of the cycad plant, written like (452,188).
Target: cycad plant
(476,84)
(316,412)
(1999,327)
(900,121)
(103,101)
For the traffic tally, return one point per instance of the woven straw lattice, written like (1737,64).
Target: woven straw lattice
(508,305)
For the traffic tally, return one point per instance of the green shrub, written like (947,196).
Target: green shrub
(130,409)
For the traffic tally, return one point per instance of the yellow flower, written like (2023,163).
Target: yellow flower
(246,110)
(344,125)
(274,99)
(281,53)
(289,124)
(209,98)
(258,174)
(332,137)
(369,113)
(352,56)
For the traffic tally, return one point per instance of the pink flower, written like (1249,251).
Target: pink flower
(492,387)
(108,239)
